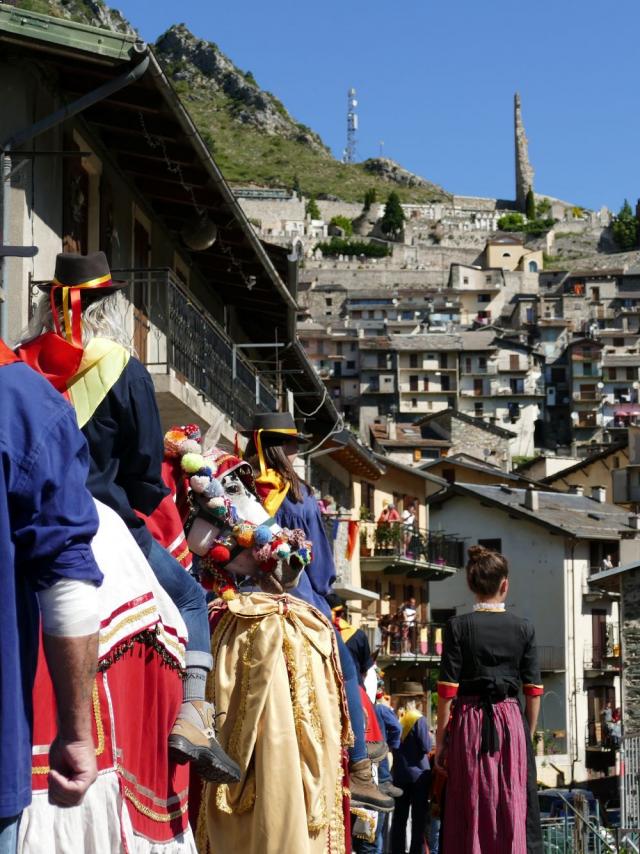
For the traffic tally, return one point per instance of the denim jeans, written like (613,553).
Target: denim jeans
(189,598)
(9,834)
(352,691)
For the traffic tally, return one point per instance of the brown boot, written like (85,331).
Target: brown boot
(193,739)
(364,792)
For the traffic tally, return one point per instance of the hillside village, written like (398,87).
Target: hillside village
(475,359)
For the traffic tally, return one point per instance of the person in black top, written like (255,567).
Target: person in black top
(488,657)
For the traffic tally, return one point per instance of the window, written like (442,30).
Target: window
(413,382)
(595,294)
(587,369)
(632,373)
(488,279)
(506,254)
(328,301)
(414,402)
(351,366)
(413,360)
(484,297)
(425,383)
(446,382)
(467,365)
(478,410)
(533,267)
(517,386)
(618,342)
(449,475)
(443,360)
(492,545)
(482,363)
(514,362)
(465,280)
(612,373)
(451,402)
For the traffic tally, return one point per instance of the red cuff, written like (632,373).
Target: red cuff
(447,690)
(533,690)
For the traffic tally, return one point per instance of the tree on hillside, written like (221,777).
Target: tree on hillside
(625,228)
(530,204)
(297,189)
(511,222)
(370,198)
(393,216)
(344,223)
(543,207)
(312,210)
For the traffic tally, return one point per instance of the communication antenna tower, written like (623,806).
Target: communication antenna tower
(352,127)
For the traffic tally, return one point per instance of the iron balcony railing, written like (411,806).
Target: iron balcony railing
(173,330)
(396,638)
(399,541)
(604,657)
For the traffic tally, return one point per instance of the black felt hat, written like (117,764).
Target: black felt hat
(278,426)
(88,272)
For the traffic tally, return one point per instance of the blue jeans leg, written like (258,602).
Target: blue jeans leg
(189,598)
(351,689)
(9,834)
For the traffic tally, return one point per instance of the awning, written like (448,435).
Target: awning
(350,591)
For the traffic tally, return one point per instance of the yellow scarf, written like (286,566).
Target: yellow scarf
(408,719)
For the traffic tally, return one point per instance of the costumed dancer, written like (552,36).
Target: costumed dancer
(272,449)
(78,342)
(276,672)
(488,656)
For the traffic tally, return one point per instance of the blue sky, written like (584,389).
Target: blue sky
(435,82)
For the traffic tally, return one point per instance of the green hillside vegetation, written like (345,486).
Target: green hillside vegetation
(247,155)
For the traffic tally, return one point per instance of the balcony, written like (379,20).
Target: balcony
(587,396)
(395,550)
(174,333)
(602,659)
(400,641)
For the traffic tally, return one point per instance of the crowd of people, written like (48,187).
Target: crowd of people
(103,445)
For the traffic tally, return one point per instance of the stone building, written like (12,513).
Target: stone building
(555,544)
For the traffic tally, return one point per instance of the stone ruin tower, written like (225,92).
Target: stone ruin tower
(524,169)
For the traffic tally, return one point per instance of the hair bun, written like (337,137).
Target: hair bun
(478,552)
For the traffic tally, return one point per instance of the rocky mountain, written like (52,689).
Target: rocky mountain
(252,136)
(92,12)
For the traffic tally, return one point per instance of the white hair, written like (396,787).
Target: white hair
(101,318)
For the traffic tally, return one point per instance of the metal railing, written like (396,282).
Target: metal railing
(574,831)
(604,657)
(397,638)
(396,540)
(173,330)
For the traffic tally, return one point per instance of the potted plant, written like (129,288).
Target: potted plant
(365,531)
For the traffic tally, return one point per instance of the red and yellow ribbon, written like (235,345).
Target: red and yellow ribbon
(71,306)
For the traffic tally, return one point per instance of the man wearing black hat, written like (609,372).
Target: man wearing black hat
(80,345)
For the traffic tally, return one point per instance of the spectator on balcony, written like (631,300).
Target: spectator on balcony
(407,617)
(79,343)
(607,563)
(488,656)
(327,505)
(389,513)
(409,525)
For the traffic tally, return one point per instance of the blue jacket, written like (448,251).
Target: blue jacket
(410,760)
(317,579)
(47,522)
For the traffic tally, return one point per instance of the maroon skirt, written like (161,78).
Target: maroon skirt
(486,801)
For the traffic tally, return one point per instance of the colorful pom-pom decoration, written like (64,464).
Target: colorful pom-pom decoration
(213,503)
(220,554)
(199,482)
(262,554)
(262,535)
(219,512)
(214,489)
(190,446)
(244,535)
(191,463)
(173,440)
(228,594)
(192,431)
(283,551)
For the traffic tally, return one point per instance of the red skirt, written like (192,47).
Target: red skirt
(486,800)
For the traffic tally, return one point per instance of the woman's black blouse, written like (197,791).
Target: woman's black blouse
(490,654)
